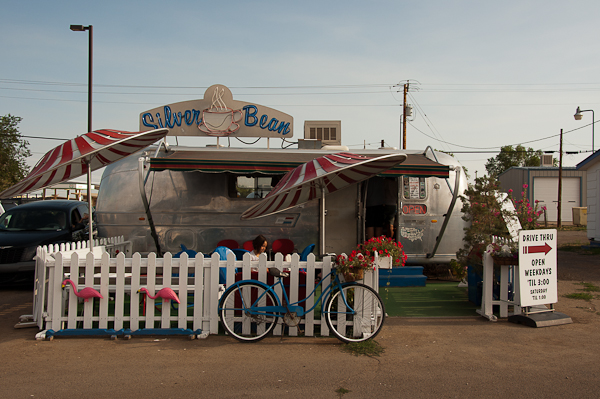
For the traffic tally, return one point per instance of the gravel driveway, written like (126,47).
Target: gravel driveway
(432,357)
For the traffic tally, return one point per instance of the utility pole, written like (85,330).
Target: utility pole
(404,117)
(558,223)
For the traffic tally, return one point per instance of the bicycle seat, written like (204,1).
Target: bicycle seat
(275,272)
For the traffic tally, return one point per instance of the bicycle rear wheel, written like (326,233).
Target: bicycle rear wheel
(236,318)
(362,319)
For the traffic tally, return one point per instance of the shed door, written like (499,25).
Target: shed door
(546,191)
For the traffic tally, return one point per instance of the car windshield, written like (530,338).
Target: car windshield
(33,219)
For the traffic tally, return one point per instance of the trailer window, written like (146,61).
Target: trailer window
(414,187)
(253,186)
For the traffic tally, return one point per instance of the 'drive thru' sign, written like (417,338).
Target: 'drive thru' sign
(537,267)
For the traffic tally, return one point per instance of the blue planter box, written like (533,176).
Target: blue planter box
(408,276)
(475,285)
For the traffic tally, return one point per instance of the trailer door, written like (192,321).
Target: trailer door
(341,227)
(414,218)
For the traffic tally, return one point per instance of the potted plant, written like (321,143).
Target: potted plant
(363,257)
(484,209)
(504,254)
(487,212)
(388,250)
(353,266)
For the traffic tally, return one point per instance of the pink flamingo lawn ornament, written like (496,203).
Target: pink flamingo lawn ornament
(85,293)
(165,293)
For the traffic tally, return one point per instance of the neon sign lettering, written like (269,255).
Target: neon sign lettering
(190,117)
(417,209)
(250,119)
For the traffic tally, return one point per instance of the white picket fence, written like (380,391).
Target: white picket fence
(124,311)
(112,245)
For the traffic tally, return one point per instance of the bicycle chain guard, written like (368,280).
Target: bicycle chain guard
(291,319)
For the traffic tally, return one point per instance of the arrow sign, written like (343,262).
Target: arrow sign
(532,249)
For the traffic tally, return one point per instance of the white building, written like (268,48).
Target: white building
(591,165)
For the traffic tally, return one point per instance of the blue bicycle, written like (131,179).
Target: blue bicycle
(249,309)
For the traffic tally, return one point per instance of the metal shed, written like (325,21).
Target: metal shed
(543,186)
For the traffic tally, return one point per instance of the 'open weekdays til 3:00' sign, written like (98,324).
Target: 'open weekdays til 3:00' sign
(537,267)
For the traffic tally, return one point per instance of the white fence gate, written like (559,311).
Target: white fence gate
(123,311)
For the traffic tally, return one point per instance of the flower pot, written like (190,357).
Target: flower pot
(505,260)
(358,274)
(384,262)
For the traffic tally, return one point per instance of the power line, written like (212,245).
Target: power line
(16,81)
(489,148)
(44,138)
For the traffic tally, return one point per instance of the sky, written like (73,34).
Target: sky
(481,74)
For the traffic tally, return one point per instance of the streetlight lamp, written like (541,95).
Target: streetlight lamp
(81,28)
(578,117)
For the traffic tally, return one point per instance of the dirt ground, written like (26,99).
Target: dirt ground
(430,357)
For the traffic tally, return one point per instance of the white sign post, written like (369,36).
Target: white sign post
(537,267)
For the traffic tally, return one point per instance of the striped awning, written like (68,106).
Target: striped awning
(73,158)
(320,177)
(224,165)
(416,165)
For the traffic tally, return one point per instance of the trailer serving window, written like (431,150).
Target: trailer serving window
(414,187)
(251,186)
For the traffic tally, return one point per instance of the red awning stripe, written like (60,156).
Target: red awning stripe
(83,146)
(326,164)
(100,139)
(310,171)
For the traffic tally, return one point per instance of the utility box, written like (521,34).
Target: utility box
(580,216)
(309,144)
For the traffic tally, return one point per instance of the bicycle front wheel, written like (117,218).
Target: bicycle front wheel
(236,318)
(359,317)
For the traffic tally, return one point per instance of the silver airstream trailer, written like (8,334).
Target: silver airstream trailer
(195,197)
(172,196)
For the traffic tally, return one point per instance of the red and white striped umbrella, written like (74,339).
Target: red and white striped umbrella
(319,177)
(73,158)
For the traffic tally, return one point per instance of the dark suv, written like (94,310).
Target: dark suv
(25,227)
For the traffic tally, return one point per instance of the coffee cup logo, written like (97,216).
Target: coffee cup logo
(219,120)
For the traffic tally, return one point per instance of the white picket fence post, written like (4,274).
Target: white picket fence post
(507,278)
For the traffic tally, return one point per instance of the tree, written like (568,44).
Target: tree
(13,152)
(509,157)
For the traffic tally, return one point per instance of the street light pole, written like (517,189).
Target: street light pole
(81,28)
(578,117)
